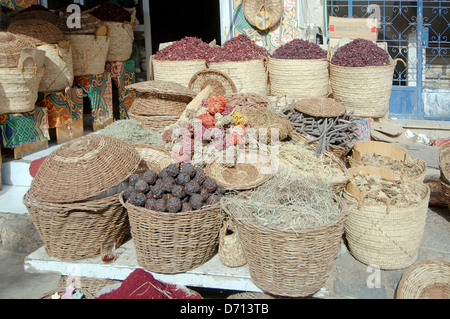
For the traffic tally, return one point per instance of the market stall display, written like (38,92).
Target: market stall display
(444,169)
(386,217)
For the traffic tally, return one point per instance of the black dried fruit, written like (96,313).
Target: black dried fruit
(150,177)
(137,199)
(167,184)
(185,199)
(196,201)
(213,199)
(141,186)
(173,170)
(192,187)
(189,169)
(183,178)
(160,205)
(167,196)
(204,193)
(127,192)
(178,191)
(133,179)
(220,190)
(150,203)
(186,206)
(200,175)
(173,205)
(157,191)
(163,174)
(210,184)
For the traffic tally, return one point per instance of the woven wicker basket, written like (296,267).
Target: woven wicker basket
(83,168)
(147,104)
(384,234)
(247,76)
(446,192)
(88,24)
(89,53)
(174,242)
(300,79)
(73,231)
(444,163)
(273,7)
(426,279)
(219,81)
(11,47)
(364,90)
(154,123)
(164,90)
(37,14)
(231,252)
(413,168)
(58,66)
(37,31)
(19,86)
(153,157)
(291,263)
(122,37)
(179,72)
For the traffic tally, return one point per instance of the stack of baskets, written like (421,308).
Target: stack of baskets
(47,37)
(73,200)
(159,104)
(21,71)
(444,168)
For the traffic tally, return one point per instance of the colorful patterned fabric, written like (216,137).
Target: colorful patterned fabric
(282,32)
(62,107)
(123,74)
(17,4)
(363,129)
(99,91)
(24,128)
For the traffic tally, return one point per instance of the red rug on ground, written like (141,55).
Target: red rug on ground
(141,284)
(34,166)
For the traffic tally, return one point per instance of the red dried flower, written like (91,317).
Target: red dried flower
(207,119)
(216,104)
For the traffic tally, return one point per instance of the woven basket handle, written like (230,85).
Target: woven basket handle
(22,68)
(386,200)
(401,60)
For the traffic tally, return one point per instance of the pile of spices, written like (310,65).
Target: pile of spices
(132,132)
(301,50)
(239,48)
(287,201)
(113,12)
(360,53)
(188,48)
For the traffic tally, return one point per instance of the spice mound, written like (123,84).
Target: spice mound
(301,50)
(176,188)
(360,53)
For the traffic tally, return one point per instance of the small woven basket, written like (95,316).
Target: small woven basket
(230,253)
(426,279)
(252,7)
(174,242)
(300,79)
(73,231)
(154,123)
(412,168)
(147,104)
(153,157)
(381,233)
(164,90)
(291,263)
(219,81)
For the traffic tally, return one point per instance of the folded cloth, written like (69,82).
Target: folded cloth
(141,284)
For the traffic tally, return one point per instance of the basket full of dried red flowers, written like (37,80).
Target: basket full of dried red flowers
(174,216)
(299,69)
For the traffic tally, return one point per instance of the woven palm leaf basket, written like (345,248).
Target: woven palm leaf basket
(382,154)
(180,72)
(73,199)
(153,157)
(426,279)
(154,123)
(383,227)
(219,81)
(444,168)
(172,243)
(293,258)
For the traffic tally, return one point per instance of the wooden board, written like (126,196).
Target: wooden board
(30,148)
(69,131)
(97,127)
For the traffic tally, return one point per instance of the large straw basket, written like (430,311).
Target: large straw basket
(247,76)
(154,123)
(89,53)
(83,168)
(19,86)
(299,79)
(37,31)
(73,231)
(122,37)
(11,47)
(364,90)
(412,168)
(58,66)
(444,163)
(426,279)
(289,262)
(174,242)
(153,157)
(179,72)
(380,233)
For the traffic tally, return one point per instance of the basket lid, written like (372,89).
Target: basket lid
(37,31)
(320,107)
(273,7)
(83,168)
(37,14)
(164,89)
(11,47)
(221,83)
(88,24)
